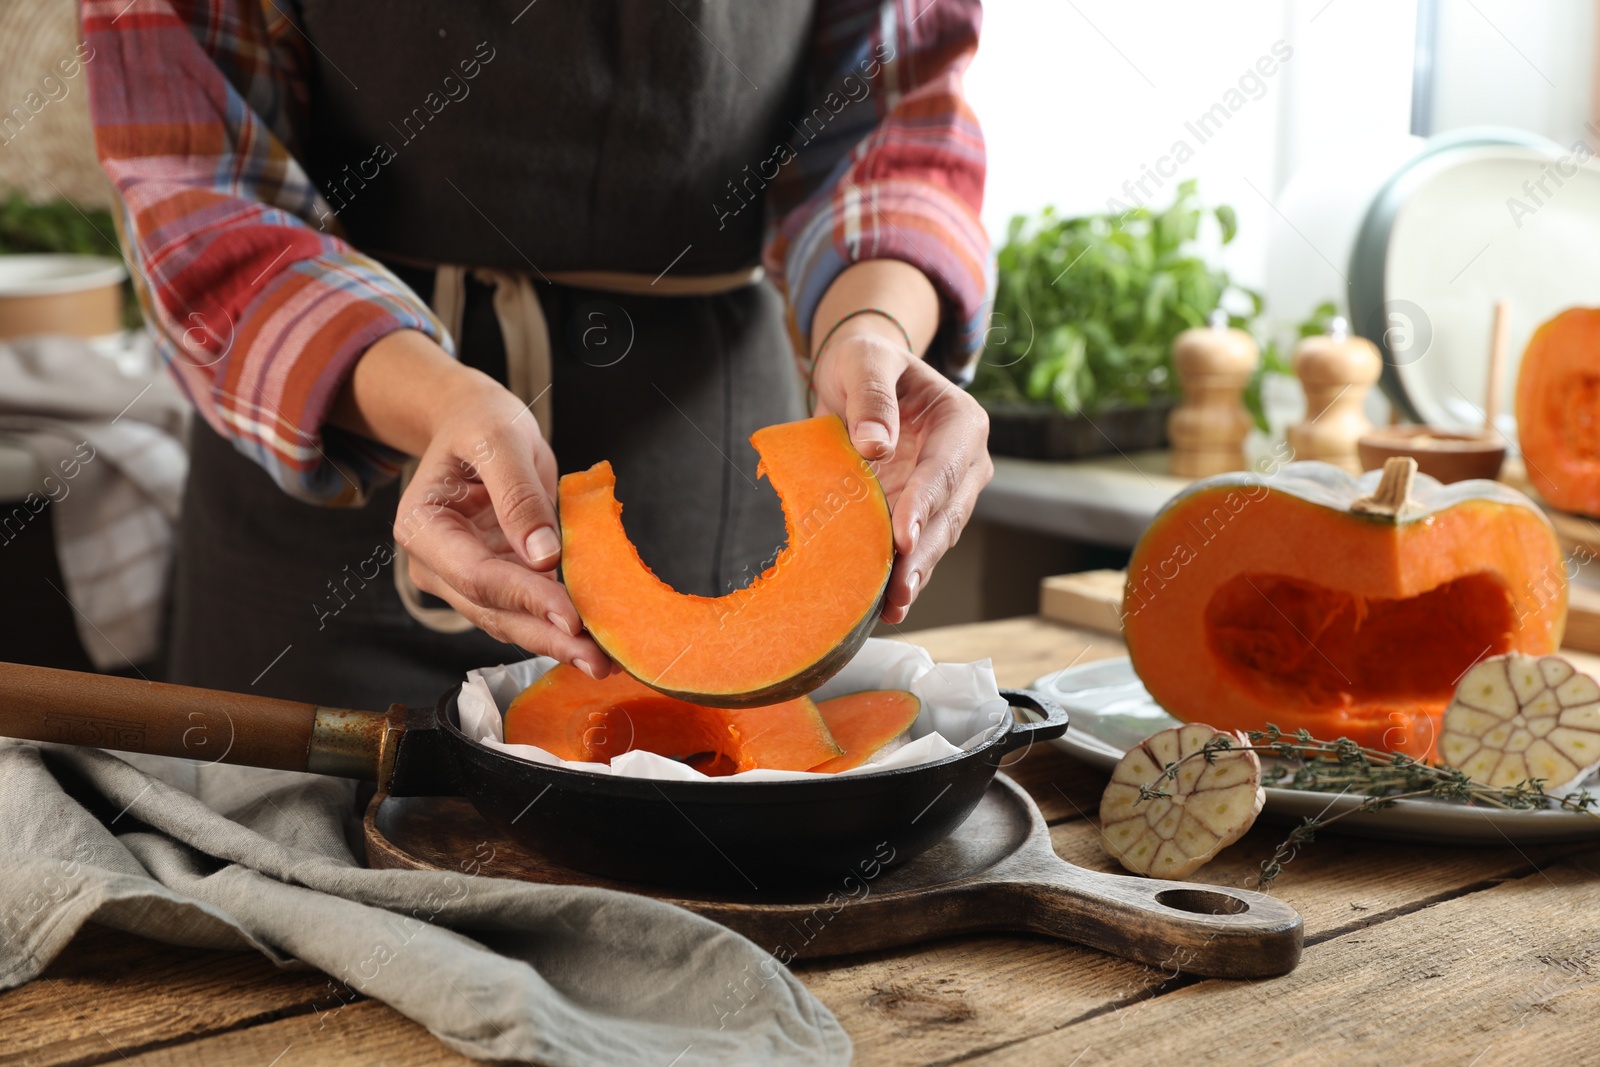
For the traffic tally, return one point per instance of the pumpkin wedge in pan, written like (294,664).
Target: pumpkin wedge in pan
(863,723)
(1309,599)
(574,717)
(791,629)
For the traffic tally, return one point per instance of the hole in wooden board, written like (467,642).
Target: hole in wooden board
(1202,902)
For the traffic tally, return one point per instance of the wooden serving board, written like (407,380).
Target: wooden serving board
(1092,600)
(996,872)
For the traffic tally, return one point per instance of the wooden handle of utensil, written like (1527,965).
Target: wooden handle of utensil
(1180,927)
(1499,341)
(130,715)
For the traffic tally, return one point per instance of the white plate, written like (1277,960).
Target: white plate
(1458,227)
(1110,712)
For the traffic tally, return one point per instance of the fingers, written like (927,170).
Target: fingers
(940,494)
(870,371)
(911,571)
(521,481)
(953,432)
(541,620)
(444,522)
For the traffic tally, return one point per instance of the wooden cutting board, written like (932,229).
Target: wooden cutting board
(996,872)
(1092,600)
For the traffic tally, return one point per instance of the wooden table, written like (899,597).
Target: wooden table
(1414,955)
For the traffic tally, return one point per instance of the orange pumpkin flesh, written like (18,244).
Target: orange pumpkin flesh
(574,717)
(1558,410)
(1252,601)
(785,634)
(862,723)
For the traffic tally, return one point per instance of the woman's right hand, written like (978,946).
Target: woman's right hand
(478,519)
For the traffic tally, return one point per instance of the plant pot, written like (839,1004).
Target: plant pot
(50,293)
(1039,431)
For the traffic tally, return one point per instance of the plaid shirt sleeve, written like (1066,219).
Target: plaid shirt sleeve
(887,163)
(259,308)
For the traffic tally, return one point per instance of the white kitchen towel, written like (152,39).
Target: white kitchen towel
(110,449)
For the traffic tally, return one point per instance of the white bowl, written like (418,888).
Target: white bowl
(46,293)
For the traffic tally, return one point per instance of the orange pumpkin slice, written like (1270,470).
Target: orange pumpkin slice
(786,633)
(574,717)
(1309,600)
(1558,410)
(862,723)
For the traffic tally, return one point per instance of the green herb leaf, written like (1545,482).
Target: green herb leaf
(1105,294)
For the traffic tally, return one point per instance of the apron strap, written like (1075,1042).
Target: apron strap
(526,335)
(527,339)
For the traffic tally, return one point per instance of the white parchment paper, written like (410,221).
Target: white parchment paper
(961,705)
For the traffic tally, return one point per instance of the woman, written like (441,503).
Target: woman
(512,239)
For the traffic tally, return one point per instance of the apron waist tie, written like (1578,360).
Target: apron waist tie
(526,335)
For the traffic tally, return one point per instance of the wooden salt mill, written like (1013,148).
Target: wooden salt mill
(1208,428)
(1336,371)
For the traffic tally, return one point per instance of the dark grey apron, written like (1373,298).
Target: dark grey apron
(298,601)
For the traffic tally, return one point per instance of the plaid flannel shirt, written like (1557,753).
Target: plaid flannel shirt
(261,314)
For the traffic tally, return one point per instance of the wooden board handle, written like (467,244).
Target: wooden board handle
(101,711)
(1181,927)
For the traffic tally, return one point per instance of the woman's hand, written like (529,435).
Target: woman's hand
(927,441)
(479,517)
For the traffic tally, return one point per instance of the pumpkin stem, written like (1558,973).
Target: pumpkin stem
(1392,498)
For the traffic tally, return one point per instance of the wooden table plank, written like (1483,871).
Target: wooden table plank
(364,1033)
(964,996)
(111,994)
(1507,975)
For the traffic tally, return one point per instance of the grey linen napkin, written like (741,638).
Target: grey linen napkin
(496,968)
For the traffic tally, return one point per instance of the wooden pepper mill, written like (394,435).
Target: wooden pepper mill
(1336,371)
(1208,428)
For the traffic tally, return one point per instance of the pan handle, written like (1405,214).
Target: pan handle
(130,715)
(1025,732)
(1177,927)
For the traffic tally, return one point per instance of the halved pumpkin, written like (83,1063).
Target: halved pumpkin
(862,723)
(1301,600)
(570,715)
(1558,410)
(791,629)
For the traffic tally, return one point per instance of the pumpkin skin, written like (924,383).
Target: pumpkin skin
(785,634)
(575,717)
(1558,410)
(1253,600)
(862,723)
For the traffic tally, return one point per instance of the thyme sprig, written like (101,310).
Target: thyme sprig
(1381,778)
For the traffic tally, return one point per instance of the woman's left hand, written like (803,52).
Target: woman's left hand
(927,441)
